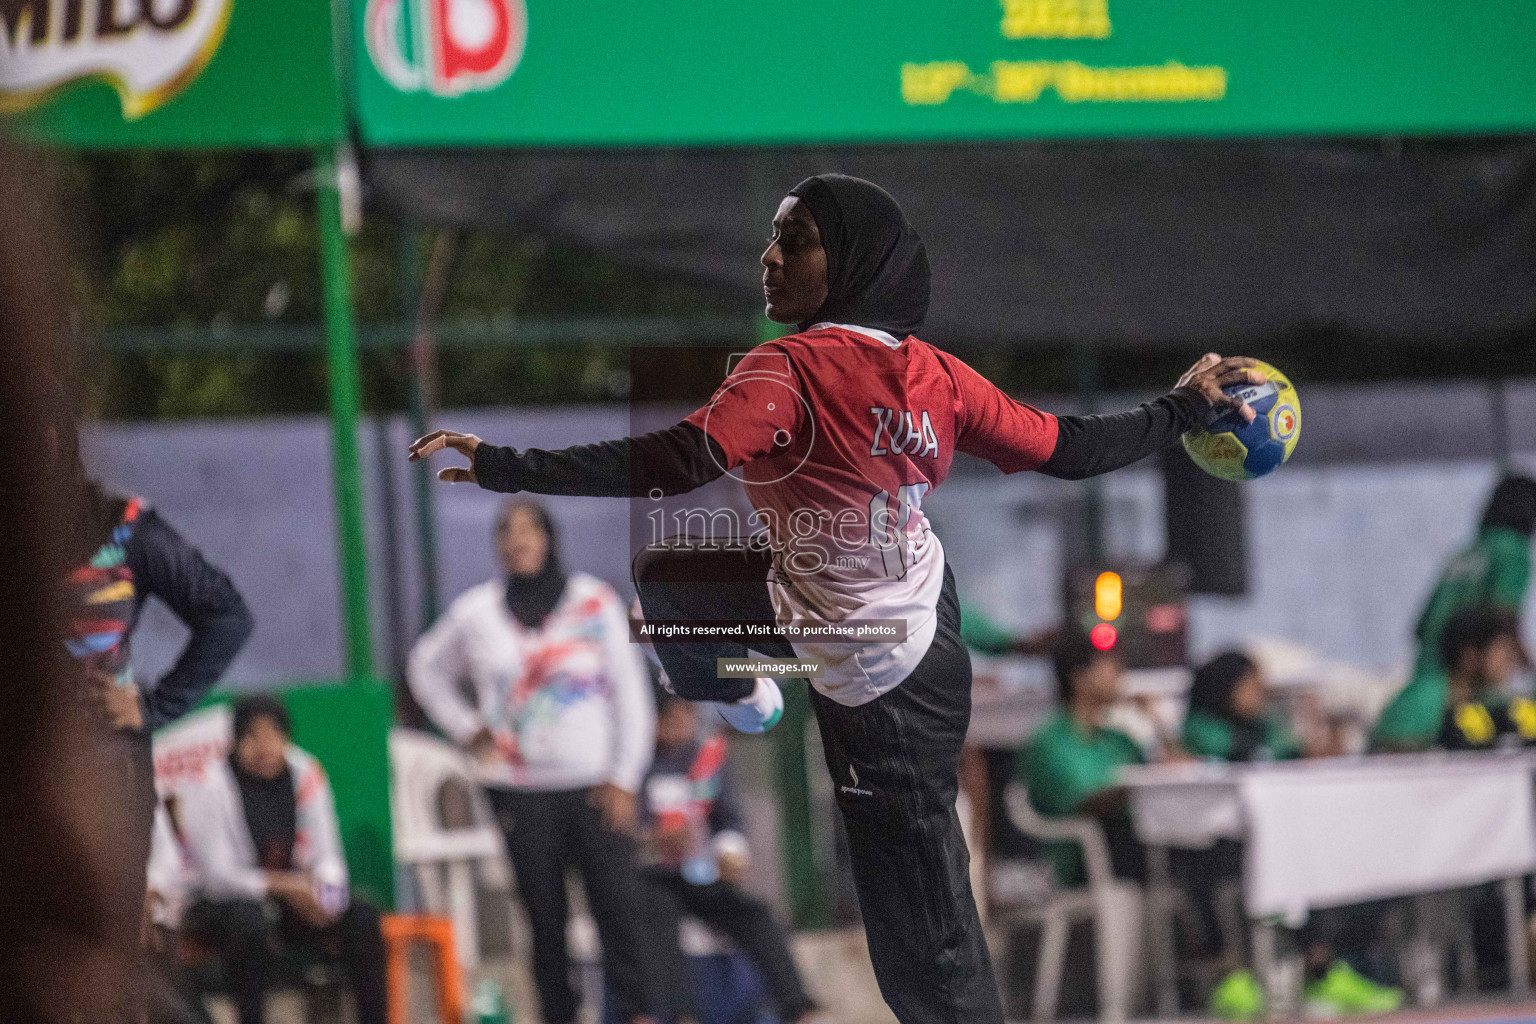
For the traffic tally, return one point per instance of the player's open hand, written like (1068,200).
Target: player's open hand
(464,444)
(1212,373)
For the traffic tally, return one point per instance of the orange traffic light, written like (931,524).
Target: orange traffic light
(1107,596)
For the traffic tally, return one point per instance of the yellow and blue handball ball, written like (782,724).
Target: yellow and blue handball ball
(1233,450)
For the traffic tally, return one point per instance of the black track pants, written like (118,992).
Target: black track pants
(893,762)
(548,833)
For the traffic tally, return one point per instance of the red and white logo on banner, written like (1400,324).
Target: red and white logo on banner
(445,47)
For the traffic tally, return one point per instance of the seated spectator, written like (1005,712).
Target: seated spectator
(1481,651)
(1495,569)
(265,868)
(1229,716)
(1230,719)
(1069,765)
(698,858)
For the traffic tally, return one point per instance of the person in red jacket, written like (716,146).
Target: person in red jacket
(838,432)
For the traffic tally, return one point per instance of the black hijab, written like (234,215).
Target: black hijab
(1512,505)
(530,599)
(1211,694)
(877,268)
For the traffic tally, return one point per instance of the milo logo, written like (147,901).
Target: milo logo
(445,47)
(148,50)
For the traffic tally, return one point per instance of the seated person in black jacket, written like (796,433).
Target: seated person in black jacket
(698,858)
(1481,650)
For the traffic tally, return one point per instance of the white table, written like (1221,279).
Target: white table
(1337,831)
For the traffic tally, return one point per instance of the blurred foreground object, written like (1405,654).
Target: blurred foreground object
(70,903)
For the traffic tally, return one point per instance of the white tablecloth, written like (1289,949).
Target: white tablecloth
(1340,831)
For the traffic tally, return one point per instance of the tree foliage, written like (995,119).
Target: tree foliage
(173,241)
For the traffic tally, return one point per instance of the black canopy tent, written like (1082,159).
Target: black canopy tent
(1128,242)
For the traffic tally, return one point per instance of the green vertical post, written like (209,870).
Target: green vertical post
(408,274)
(797,841)
(341,362)
(797,847)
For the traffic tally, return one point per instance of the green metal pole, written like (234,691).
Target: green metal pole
(807,902)
(421,358)
(341,360)
(797,842)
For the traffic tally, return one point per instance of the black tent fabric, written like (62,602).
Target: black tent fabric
(1124,242)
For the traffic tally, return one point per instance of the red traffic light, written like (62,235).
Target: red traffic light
(1103,636)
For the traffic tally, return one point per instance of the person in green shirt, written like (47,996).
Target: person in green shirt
(1069,765)
(1482,651)
(984,635)
(1494,570)
(1230,719)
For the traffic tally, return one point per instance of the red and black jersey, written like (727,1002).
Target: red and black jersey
(838,433)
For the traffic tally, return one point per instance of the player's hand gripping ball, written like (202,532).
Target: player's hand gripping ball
(1233,450)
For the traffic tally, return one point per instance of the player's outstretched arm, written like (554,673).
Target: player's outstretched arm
(1016,437)
(1088,446)
(673,461)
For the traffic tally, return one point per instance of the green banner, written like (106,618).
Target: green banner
(617,72)
(171,73)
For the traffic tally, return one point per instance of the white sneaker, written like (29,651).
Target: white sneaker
(757,712)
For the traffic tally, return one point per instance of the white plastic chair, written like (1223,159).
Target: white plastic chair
(1114,907)
(443,859)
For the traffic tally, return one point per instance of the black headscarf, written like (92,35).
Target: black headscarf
(1512,505)
(530,599)
(1211,690)
(1211,694)
(877,268)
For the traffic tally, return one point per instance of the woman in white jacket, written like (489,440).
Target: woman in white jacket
(257,831)
(562,728)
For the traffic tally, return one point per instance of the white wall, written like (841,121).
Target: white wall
(1343,552)
(1343,556)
